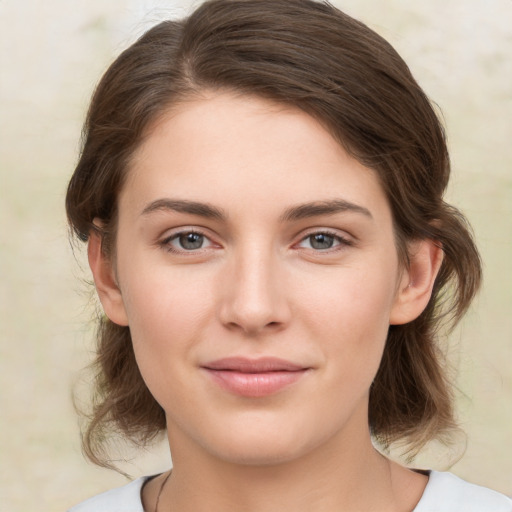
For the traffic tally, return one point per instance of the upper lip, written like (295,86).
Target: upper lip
(259,365)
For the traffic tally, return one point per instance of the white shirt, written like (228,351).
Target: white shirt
(444,492)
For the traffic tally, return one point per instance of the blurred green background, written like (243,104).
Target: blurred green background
(51,55)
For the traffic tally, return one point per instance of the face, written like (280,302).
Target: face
(258,273)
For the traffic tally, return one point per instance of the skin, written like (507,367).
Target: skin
(258,284)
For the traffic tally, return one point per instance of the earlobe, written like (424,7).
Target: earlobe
(105,281)
(417,281)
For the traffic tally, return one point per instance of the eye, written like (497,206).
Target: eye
(323,241)
(186,241)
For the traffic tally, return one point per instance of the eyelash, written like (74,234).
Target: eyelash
(342,241)
(166,242)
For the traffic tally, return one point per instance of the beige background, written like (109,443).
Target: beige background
(51,54)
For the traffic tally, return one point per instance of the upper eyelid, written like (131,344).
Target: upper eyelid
(168,234)
(344,240)
(337,233)
(167,243)
(172,233)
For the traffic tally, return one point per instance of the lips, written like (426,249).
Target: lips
(254,377)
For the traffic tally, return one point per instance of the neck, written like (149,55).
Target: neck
(337,476)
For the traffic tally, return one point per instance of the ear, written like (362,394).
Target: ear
(417,281)
(105,281)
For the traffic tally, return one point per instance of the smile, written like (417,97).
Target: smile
(254,377)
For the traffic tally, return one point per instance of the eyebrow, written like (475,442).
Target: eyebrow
(316,208)
(184,206)
(302,211)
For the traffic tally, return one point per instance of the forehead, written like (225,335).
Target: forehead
(222,148)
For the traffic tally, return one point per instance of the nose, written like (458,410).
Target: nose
(254,295)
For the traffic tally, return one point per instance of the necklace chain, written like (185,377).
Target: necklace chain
(160,491)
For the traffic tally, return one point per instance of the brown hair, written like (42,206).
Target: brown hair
(310,55)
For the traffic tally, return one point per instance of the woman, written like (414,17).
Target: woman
(261,190)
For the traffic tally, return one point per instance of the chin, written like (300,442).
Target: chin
(262,445)
(265,453)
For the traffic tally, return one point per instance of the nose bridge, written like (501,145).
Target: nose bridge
(254,298)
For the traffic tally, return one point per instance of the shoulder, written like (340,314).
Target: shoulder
(121,499)
(446,492)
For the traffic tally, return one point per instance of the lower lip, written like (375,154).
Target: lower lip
(255,384)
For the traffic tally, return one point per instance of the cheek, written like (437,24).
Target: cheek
(166,315)
(350,317)
(350,299)
(159,296)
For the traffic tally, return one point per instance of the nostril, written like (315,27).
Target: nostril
(253,304)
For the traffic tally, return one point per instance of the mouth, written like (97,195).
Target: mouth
(254,377)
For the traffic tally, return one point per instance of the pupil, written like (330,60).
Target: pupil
(191,241)
(321,241)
